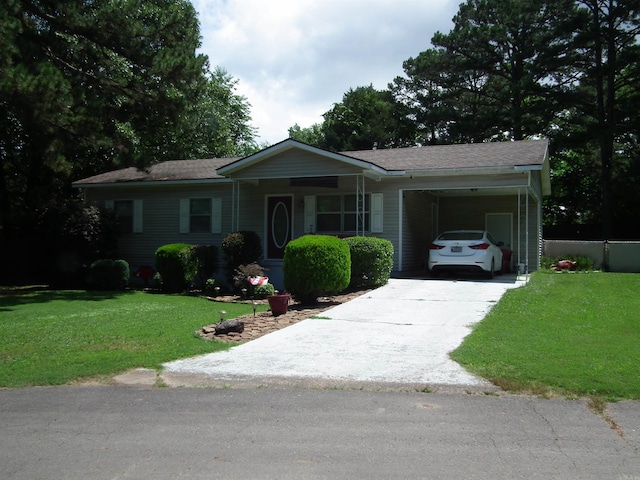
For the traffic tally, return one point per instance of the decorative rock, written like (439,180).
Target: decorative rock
(229,326)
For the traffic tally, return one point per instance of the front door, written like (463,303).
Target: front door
(279,225)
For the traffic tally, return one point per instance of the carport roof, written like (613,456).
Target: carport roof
(528,153)
(475,155)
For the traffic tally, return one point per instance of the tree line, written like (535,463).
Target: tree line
(567,70)
(92,86)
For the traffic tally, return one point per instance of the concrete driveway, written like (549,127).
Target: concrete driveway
(401,333)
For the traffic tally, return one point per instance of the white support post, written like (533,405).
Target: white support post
(235,206)
(360,205)
(519,229)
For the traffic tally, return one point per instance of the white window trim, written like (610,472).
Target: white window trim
(216,214)
(376,213)
(137,226)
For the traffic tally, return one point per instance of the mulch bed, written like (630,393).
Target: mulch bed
(264,322)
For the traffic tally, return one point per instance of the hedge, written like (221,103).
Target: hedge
(371,261)
(316,265)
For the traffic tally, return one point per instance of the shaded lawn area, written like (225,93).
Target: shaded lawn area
(54,337)
(572,333)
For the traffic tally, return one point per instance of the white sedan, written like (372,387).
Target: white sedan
(465,250)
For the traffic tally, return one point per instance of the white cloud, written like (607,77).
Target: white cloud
(295,59)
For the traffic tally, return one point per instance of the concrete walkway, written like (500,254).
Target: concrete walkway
(401,333)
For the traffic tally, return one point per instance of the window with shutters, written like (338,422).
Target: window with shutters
(124,212)
(201,215)
(338,213)
(129,214)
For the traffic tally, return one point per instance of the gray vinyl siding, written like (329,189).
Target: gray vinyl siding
(460,213)
(458,207)
(253,201)
(161,218)
(470,213)
(418,230)
(296,163)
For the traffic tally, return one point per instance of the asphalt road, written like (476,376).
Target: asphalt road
(143,433)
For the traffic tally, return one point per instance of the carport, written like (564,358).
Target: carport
(509,206)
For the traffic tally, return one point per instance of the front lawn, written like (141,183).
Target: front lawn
(54,337)
(572,333)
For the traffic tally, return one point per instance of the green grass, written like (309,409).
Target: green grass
(55,337)
(574,334)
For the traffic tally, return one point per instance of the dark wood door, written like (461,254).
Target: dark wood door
(279,225)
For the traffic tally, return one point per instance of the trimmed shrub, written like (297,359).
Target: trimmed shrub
(316,265)
(242,274)
(211,284)
(177,266)
(371,261)
(241,248)
(207,257)
(108,274)
(263,291)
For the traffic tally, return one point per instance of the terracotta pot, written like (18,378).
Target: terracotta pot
(279,304)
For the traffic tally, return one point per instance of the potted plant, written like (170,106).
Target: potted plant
(279,303)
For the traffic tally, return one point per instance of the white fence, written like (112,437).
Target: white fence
(616,256)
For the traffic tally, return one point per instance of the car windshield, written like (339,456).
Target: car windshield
(461,236)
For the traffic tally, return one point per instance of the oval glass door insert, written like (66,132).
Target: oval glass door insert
(280,225)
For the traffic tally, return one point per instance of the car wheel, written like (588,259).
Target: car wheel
(492,269)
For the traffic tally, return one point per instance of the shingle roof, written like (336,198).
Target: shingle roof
(165,171)
(476,155)
(438,157)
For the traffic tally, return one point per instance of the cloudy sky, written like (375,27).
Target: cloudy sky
(295,58)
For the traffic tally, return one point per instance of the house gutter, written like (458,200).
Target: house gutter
(440,172)
(164,183)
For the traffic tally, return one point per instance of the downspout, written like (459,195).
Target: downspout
(400,233)
(528,258)
(526,229)
(539,234)
(519,229)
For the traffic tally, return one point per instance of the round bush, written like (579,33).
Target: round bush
(371,261)
(177,265)
(241,248)
(108,274)
(263,291)
(207,257)
(316,265)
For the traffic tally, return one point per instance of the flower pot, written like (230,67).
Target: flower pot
(279,304)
